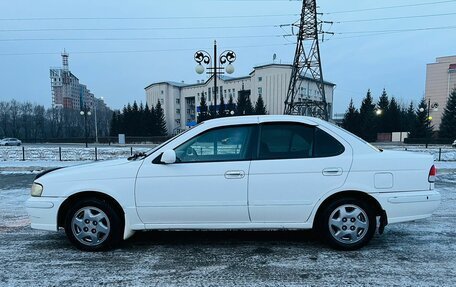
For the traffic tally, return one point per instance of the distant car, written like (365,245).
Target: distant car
(10,142)
(252,172)
(454,143)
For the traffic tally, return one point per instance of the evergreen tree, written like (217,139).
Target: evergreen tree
(160,120)
(141,128)
(146,121)
(134,120)
(351,119)
(260,108)
(244,105)
(448,124)
(367,119)
(410,118)
(231,107)
(383,124)
(222,107)
(114,127)
(394,119)
(421,127)
(152,121)
(203,110)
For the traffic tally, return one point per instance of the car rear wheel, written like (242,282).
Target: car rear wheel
(93,225)
(347,224)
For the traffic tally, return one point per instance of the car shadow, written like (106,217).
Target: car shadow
(220,238)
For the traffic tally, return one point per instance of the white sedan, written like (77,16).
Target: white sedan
(252,172)
(10,142)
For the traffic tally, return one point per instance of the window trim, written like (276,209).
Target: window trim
(250,144)
(257,147)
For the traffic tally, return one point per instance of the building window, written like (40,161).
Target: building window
(161,92)
(178,111)
(178,101)
(209,94)
(260,91)
(260,79)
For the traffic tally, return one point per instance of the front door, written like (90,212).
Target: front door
(206,185)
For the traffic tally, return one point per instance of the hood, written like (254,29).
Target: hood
(104,170)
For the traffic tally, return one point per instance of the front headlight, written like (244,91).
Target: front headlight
(37,189)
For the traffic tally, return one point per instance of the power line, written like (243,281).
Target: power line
(385,32)
(144,18)
(136,28)
(391,7)
(136,39)
(138,51)
(397,30)
(395,18)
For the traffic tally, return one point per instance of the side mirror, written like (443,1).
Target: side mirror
(169,156)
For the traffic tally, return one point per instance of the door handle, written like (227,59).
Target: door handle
(233,174)
(332,171)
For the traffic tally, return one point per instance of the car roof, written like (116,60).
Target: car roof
(262,119)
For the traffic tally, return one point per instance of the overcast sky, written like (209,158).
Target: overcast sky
(160,46)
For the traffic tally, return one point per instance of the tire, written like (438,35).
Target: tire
(93,225)
(347,224)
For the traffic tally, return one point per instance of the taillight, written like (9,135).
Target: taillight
(432,173)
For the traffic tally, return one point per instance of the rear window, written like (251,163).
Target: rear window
(326,145)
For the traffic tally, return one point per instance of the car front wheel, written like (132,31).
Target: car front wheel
(347,224)
(93,225)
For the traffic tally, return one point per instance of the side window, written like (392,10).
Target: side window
(222,144)
(286,140)
(326,145)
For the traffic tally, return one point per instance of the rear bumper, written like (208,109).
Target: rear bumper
(407,206)
(43,212)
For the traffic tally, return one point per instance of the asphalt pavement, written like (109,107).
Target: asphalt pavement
(421,253)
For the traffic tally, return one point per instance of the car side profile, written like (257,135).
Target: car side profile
(10,142)
(252,172)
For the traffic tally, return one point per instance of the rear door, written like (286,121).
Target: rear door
(296,164)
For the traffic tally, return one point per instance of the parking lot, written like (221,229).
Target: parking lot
(421,253)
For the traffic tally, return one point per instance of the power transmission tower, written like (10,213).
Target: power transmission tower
(307,64)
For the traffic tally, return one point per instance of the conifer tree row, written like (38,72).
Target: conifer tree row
(140,120)
(387,116)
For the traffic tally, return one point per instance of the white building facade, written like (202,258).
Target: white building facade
(440,82)
(180,101)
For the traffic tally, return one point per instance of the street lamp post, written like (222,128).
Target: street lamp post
(429,118)
(95,118)
(203,57)
(85,112)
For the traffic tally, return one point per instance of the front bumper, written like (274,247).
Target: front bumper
(407,206)
(43,212)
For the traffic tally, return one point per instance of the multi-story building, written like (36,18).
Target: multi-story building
(440,81)
(180,101)
(67,92)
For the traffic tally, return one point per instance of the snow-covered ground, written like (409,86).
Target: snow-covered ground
(420,253)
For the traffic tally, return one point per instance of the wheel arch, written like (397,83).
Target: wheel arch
(87,195)
(353,194)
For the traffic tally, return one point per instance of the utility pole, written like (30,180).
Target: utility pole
(307,64)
